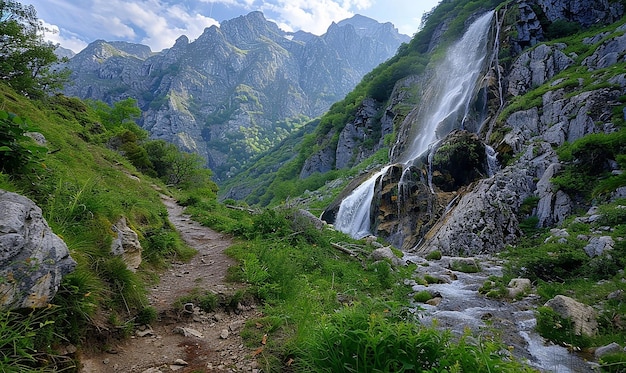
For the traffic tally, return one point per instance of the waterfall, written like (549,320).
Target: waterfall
(353,216)
(443,108)
(492,161)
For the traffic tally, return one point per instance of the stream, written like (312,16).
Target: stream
(463,308)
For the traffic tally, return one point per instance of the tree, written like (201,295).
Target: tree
(120,117)
(27,61)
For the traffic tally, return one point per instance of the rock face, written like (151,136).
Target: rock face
(126,244)
(584,317)
(451,201)
(33,260)
(238,89)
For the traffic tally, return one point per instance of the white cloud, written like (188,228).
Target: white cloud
(65,39)
(313,16)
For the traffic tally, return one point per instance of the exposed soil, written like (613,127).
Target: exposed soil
(180,341)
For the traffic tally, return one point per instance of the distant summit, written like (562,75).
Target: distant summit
(238,89)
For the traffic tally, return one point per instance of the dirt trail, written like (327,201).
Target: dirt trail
(186,342)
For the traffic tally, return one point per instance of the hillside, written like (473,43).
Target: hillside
(238,89)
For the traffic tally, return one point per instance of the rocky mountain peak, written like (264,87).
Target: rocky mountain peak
(249,28)
(239,88)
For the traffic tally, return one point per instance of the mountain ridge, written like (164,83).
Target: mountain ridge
(237,89)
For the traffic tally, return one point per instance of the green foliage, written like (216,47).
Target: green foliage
(434,255)
(494,287)
(422,296)
(562,28)
(18,342)
(465,266)
(205,300)
(18,152)
(146,316)
(587,171)
(26,59)
(162,245)
(364,338)
(613,363)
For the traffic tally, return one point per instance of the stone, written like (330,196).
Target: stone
(187,332)
(599,245)
(611,348)
(518,286)
(583,317)
(385,253)
(224,333)
(33,260)
(126,244)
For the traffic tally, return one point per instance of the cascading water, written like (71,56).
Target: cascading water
(443,108)
(353,216)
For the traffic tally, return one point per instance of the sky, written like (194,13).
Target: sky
(158,23)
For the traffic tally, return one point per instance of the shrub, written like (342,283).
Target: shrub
(146,316)
(17,151)
(422,296)
(434,255)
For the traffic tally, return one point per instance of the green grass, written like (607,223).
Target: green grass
(83,188)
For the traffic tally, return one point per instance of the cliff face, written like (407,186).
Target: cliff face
(238,89)
(532,97)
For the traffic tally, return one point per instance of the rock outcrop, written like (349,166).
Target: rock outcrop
(33,260)
(126,244)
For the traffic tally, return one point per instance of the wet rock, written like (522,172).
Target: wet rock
(33,260)
(584,317)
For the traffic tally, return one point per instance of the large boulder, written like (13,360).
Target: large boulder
(33,260)
(584,317)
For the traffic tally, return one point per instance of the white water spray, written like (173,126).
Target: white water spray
(444,107)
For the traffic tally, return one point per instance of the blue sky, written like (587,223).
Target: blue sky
(158,23)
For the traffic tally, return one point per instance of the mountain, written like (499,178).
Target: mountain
(238,89)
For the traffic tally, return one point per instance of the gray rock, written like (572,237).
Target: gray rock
(518,286)
(535,67)
(611,348)
(33,260)
(584,317)
(599,245)
(384,253)
(484,219)
(126,244)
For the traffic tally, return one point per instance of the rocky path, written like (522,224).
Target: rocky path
(186,342)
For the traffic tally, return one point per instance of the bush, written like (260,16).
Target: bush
(434,255)
(422,296)
(17,151)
